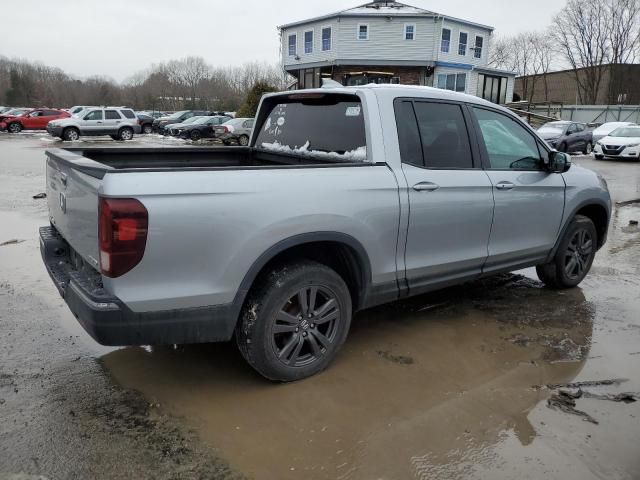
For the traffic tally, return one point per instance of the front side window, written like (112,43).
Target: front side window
(293,40)
(308,42)
(479,46)
(509,145)
(111,115)
(462,43)
(409,31)
(456,82)
(326,39)
(446,40)
(363,32)
(94,115)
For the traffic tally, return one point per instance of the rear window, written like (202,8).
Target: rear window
(320,125)
(128,113)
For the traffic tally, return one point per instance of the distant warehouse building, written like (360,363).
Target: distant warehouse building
(617,85)
(390,42)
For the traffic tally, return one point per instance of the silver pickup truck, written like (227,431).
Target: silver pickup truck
(346,198)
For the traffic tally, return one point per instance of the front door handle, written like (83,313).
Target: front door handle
(426,187)
(505,186)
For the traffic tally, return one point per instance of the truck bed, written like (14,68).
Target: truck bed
(97,162)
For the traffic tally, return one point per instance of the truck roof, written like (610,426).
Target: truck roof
(394,90)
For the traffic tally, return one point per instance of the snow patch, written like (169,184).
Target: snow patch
(357,155)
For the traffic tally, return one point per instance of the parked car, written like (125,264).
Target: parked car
(146,123)
(568,136)
(119,123)
(13,112)
(37,119)
(203,127)
(79,109)
(623,142)
(179,117)
(373,193)
(172,128)
(236,130)
(606,128)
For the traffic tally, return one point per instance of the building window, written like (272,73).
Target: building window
(363,32)
(326,39)
(462,44)
(409,31)
(479,45)
(293,44)
(446,40)
(308,42)
(456,82)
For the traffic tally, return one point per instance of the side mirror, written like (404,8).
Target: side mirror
(559,162)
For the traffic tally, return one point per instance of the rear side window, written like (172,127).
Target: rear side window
(444,135)
(128,114)
(314,124)
(112,115)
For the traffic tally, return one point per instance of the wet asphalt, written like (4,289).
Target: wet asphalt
(450,385)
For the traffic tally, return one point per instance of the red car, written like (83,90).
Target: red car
(32,120)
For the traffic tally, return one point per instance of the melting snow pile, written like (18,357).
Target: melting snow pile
(357,155)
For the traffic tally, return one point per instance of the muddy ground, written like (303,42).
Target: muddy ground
(447,385)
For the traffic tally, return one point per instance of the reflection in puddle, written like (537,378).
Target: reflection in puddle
(416,392)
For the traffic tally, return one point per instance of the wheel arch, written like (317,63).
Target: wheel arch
(339,251)
(597,211)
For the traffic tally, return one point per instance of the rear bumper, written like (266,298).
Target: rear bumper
(112,323)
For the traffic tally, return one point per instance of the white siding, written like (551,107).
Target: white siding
(318,55)
(386,39)
(453,55)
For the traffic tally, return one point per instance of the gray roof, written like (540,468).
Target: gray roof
(384,9)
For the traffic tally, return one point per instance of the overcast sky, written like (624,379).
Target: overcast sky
(120,37)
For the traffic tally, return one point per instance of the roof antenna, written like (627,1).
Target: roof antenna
(328,83)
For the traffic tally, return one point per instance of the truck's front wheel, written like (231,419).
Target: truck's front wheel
(294,321)
(574,258)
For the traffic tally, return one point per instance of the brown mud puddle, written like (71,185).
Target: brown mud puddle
(414,388)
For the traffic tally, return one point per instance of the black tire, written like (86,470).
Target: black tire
(588,148)
(243,141)
(15,127)
(125,134)
(147,129)
(195,135)
(309,338)
(574,257)
(599,157)
(71,134)
(226,143)
(563,148)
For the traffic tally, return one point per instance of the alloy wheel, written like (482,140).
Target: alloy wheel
(578,254)
(306,326)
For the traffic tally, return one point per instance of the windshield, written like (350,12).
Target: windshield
(16,111)
(191,120)
(608,128)
(177,115)
(626,132)
(321,125)
(552,129)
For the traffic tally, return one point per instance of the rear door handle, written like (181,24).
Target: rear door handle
(426,187)
(505,186)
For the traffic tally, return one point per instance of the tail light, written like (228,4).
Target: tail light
(122,233)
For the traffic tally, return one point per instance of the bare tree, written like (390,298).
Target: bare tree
(580,30)
(623,39)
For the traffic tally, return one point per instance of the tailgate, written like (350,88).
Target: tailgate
(72,195)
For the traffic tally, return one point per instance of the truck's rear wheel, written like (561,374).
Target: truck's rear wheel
(71,134)
(574,258)
(294,321)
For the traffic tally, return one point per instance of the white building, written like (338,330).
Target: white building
(390,42)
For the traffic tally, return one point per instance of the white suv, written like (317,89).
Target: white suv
(117,122)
